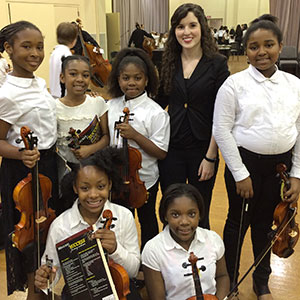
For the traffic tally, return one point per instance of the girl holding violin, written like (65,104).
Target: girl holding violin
(257,126)
(92,181)
(77,109)
(24,100)
(131,83)
(164,257)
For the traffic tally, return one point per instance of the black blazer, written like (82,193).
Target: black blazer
(195,98)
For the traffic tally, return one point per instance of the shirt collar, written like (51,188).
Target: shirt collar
(171,243)
(77,218)
(258,76)
(131,104)
(21,81)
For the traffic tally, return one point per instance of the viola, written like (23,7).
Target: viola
(31,197)
(133,192)
(284,225)
(100,68)
(195,272)
(118,273)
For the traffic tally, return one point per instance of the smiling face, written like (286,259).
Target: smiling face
(263,51)
(26,52)
(188,32)
(76,77)
(132,81)
(183,217)
(92,186)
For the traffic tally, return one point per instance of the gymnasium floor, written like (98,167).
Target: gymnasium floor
(284,281)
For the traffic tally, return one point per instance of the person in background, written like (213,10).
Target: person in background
(66,35)
(257,126)
(191,75)
(137,36)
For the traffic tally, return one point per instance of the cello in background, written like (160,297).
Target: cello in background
(149,45)
(31,197)
(100,68)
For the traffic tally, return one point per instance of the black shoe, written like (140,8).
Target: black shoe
(138,283)
(260,289)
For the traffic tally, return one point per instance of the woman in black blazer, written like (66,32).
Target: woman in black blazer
(192,72)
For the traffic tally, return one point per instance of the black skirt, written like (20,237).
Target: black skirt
(12,171)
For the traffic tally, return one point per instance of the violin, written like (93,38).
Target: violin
(284,224)
(118,273)
(31,197)
(133,192)
(100,68)
(195,272)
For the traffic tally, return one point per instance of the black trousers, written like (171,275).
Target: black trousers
(147,217)
(259,217)
(182,165)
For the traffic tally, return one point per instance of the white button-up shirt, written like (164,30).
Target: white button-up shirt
(259,114)
(55,68)
(150,120)
(166,256)
(27,102)
(71,222)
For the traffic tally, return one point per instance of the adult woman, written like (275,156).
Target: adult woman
(192,72)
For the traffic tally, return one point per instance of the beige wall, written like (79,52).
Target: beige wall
(232,12)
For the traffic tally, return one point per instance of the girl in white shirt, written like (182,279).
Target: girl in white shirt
(256,126)
(24,101)
(92,181)
(132,79)
(180,210)
(78,110)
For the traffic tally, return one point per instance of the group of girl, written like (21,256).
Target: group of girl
(255,126)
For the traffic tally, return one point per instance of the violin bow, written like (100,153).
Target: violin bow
(244,210)
(113,288)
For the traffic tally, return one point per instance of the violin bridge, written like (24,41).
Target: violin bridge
(40,220)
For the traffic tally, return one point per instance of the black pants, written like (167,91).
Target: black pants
(182,165)
(147,217)
(259,217)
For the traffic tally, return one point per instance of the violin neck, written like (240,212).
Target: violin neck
(197,282)
(82,42)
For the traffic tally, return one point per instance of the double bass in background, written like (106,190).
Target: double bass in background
(133,192)
(100,68)
(31,197)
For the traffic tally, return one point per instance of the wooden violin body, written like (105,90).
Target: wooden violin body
(22,195)
(31,197)
(100,68)
(119,275)
(133,192)
(284,224)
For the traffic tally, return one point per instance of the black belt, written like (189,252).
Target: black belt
(263,156)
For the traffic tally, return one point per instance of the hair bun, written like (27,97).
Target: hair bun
(266,17)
